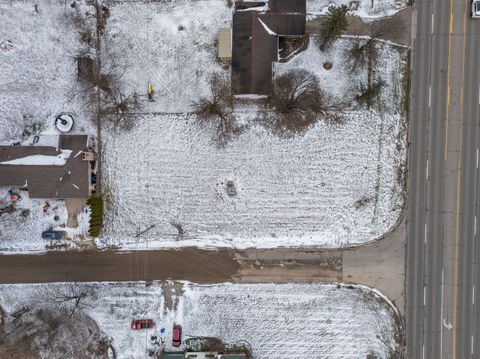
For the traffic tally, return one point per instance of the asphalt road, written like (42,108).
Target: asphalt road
(193,264)
(441,220)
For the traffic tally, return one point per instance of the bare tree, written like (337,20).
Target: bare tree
(217,109)
(364,49)
(70,297)
(299,102)
(41,332)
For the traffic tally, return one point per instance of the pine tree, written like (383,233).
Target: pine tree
(335,25)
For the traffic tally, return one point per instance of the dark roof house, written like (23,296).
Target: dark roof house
(257,27)
(48,172)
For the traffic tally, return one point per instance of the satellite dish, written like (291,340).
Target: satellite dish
(64,122)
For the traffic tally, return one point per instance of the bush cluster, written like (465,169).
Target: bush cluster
(96,217)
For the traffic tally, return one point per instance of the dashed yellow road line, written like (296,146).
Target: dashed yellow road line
(448,77)
(457,221)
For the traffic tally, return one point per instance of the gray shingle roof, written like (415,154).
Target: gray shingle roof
(254,47)
(68,181)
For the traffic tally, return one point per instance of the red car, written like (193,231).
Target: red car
(141,324)
(177,335)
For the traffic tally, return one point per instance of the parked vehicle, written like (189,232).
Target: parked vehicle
(177,335)
(141,324)
(475,12)
(52,235)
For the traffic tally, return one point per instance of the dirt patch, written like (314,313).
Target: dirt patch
(74,207)
(289,265)
(172,291)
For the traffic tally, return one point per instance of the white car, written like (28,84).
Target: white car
(475,8)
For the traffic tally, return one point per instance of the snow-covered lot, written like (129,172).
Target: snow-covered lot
(166,172)
(279,321)
(304,190)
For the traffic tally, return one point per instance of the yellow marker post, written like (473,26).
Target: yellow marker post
(150,92)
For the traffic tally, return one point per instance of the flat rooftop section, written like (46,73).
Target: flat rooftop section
(225,42)
(48,181)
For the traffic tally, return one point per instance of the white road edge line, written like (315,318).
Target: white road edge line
(473,295)
(425,233)
(478,94)
(426,171)
(477,154)
(433,21)
(441,316)
(475,225)
(430,96)
(424,294)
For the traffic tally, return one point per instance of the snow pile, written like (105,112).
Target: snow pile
(41,160)
(171,45)
(278,321)
(366,9)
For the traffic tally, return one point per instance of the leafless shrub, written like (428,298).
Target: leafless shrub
(31,126)
(362,202)
(217,110)
(117,109)
(84,25)
(178,226)
(103,13)
(368,95)
(364,49)
(299,102)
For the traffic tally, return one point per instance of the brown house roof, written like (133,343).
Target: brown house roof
(255,41)
(68,181)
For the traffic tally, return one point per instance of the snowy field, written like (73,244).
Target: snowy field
(298,191)
(279,321)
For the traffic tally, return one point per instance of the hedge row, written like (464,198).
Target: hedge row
(96,217)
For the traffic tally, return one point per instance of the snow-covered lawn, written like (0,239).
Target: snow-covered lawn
(38,68)
(170,45)
(278,321)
